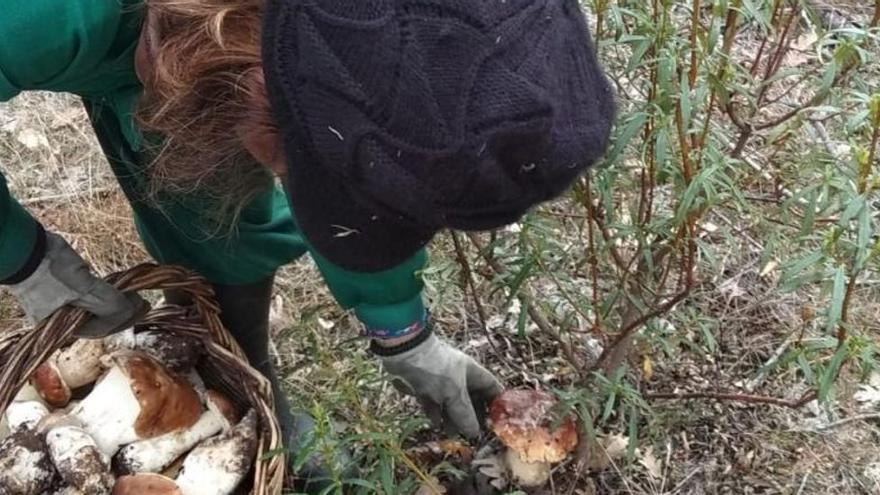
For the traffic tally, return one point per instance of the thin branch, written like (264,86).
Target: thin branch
(876,20)
(526,300)
(735,397)
(469,277)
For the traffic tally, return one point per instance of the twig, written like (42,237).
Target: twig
(876,20)
(759,380)
(526,300)
(735,397)
(851,419)
(469,277)
(97,192)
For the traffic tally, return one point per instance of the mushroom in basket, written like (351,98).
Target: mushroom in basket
(155,454)
(81,465)
(216,467)
(136,400)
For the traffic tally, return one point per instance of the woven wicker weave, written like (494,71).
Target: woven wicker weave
(223,368)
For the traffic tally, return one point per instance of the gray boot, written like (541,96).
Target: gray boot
(245,313)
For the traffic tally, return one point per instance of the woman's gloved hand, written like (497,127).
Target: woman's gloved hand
(64,278)
(452,387)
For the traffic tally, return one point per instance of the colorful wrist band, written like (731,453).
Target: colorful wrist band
(388,334)
(420,339)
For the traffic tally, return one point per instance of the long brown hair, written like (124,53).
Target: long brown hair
(203,94)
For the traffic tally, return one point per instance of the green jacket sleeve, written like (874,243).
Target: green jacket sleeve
(386,300)
(58,46)
(18,234)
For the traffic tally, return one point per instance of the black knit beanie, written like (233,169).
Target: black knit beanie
(403,117)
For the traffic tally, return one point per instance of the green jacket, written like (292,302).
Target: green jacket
(86,47)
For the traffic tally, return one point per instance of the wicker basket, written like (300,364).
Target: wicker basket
(223,368)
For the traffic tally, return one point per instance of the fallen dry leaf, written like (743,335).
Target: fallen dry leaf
(493,468)
(432,487)
(455,448)
(609,450)
(650,462)
(648,367)
(32,139)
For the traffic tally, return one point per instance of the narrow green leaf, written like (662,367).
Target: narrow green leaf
(630,130)
(829,375)
(837,295)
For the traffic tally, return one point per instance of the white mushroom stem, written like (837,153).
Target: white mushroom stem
(526,474)
(219,465)
(110,412)
(27,394)
(80,364)
(25,466)
(156,454)
(25,415)
(79,461)
(68,490)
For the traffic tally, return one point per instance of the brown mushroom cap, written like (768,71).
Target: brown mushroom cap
(49,384)
(168,402)
(223,405)
(522,419)
(146,484)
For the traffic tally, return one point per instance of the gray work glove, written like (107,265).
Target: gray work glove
(63,278)
(453,389)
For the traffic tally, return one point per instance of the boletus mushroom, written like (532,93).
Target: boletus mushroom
(77,458)
(219,465)
(523,420)
(146,484)
(156,454)
(25,465)
(80,364)
(68,369)
(137,399)
(25,415)
(49,384)
(178,352)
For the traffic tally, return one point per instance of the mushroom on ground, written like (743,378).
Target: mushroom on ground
(146,484)
(78,460)
(522,419)
(156,454)
(25,465)
(136,400)
(220,464)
